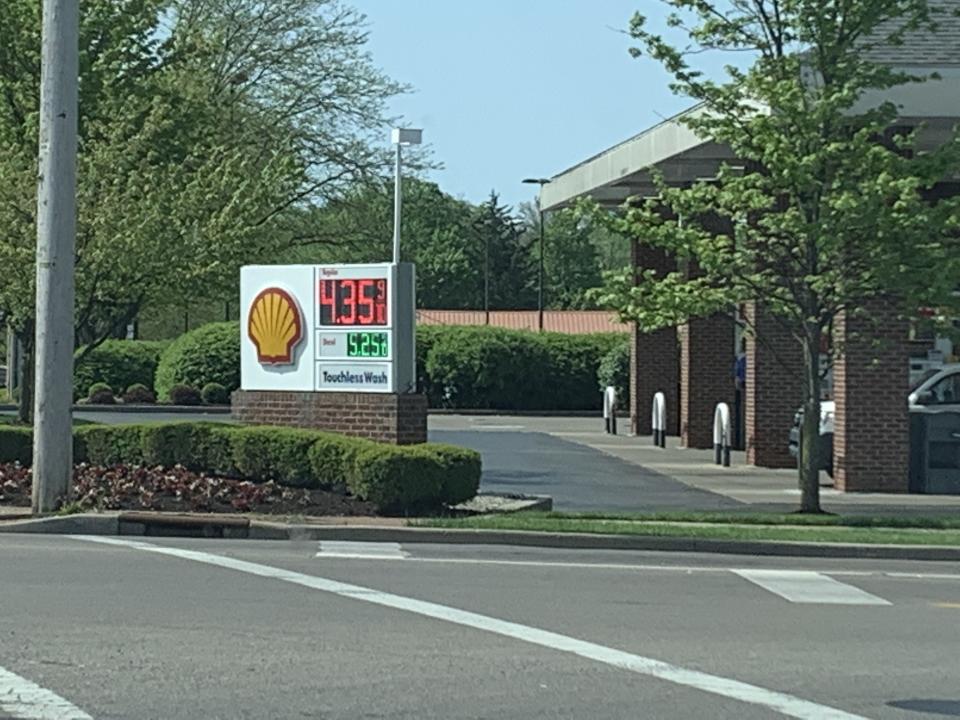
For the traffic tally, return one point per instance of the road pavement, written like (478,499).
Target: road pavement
(111,629)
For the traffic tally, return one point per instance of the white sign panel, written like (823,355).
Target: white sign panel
(328,328)
(362,376)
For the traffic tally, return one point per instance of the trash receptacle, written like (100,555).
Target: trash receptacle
(935,453)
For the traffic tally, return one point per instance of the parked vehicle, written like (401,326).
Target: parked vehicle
(934,391)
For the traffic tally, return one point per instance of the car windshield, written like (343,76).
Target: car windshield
(923,378)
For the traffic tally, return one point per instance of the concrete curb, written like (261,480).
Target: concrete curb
(167,525)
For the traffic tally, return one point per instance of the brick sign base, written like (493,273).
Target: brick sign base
(386,417)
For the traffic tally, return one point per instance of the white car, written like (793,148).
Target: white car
(935,391)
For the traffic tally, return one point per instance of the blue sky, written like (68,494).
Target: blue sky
(508,89)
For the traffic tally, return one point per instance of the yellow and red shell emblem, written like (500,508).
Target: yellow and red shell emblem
(275,325)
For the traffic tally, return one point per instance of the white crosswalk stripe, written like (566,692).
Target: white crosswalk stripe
(804,586)
(362,550)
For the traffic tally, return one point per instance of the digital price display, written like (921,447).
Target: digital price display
(353,301)
(367,345)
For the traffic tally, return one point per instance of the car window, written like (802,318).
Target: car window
(947,391)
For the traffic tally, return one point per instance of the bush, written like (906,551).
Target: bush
(139,394)
(275,453)
(615,370)
(100,394)
(516,370)
(397,479)
(184,395)
(119,363)
(215,394)
(404,479)
(457,366)
(16,444)
(209,354)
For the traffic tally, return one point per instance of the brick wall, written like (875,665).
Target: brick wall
(871,442)
(706,376)
(394,418)
(654,360)
(774,389)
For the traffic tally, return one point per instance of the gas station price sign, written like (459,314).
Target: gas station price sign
(329,328)
(352,301)
(367,345)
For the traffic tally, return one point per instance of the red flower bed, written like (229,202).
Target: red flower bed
(125,487)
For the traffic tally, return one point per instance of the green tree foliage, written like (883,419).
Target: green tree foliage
(571,261)
(507,264)
(204,124)
(435,234)
(831,210)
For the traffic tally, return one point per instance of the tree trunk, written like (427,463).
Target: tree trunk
(809,464)
(25,406)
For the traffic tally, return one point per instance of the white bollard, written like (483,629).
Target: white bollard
(610,410)
(721,435)
(659,420)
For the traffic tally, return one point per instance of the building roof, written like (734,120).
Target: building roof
(570,322)
(923,47)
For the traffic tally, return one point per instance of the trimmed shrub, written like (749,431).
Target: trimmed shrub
(184,395)
(119,363)
(209,354)
(16,444)
(215,394)
(405,479)
(139,394)
(399,480)
(516,370)
(615,370)
(100,394)
(460,470)
(275,453)
(108,444)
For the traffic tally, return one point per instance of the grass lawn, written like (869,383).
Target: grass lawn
(728,526)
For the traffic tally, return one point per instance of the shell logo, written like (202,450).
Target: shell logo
(275,325)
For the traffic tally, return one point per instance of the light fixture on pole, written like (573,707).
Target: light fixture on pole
(400,137)
(541,182)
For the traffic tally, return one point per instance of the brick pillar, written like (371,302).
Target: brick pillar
(871,443)
(653,356)
(774,389)
(706,376)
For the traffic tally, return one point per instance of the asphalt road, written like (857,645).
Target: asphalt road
(192,629)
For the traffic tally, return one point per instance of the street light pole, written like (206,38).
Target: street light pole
(56,234)
(541,182)
(400,137)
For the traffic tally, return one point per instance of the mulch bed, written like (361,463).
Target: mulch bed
(125,487)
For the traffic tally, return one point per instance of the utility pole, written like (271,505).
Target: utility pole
(56,232)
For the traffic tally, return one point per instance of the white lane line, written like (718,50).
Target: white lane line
(362,550)
(804,586)
(25,700)
(498,427)
(783,703)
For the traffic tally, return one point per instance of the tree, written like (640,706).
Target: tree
(831,209)
(570,256)
(204,125)
(435,234)
(508,264)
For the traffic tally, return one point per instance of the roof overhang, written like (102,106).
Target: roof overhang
(624,170)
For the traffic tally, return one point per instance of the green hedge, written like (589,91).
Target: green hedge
(480,367)
(457,366)
(398,479)
(209,354)
(119,364)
